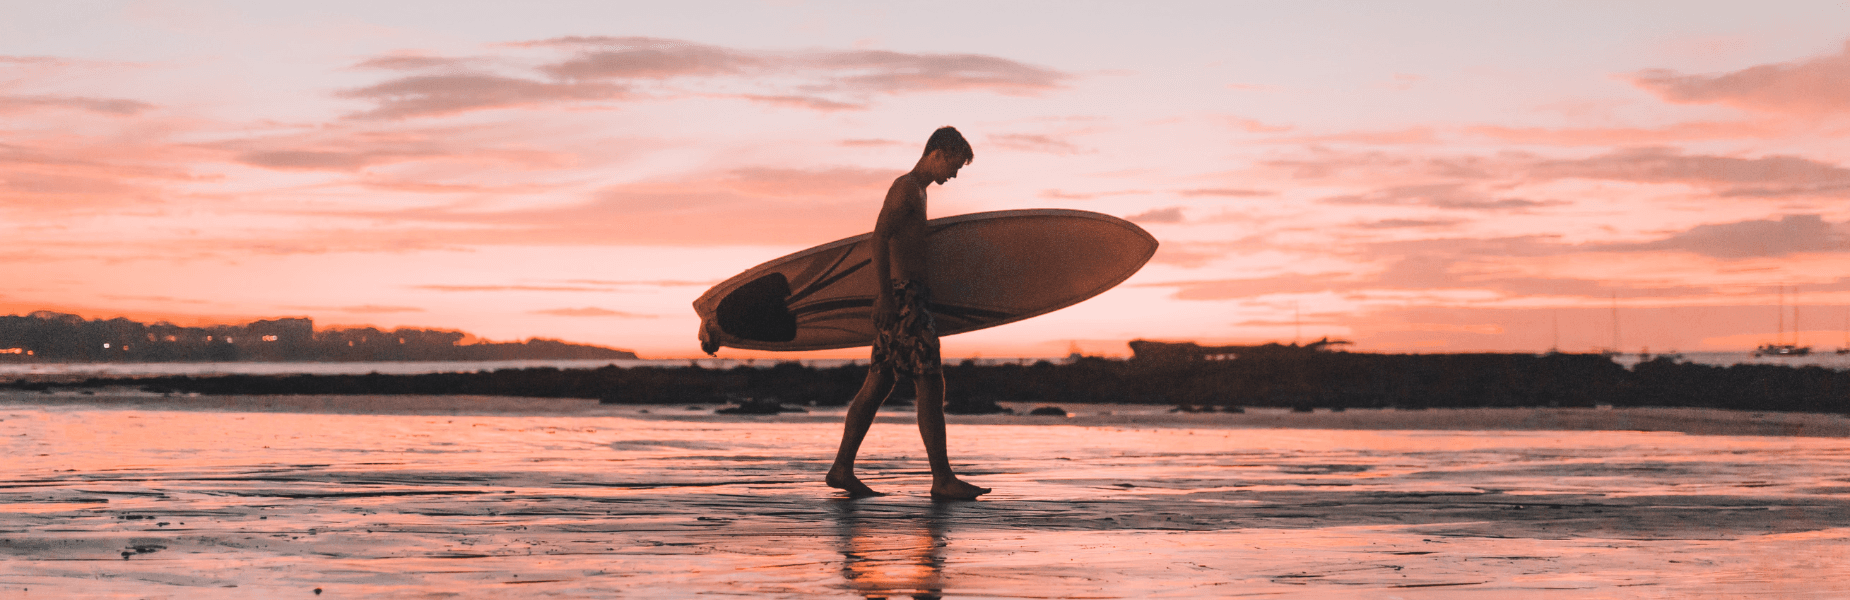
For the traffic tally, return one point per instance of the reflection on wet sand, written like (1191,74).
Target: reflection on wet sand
(887,554)
(277,497)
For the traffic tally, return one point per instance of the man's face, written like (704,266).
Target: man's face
(948,165)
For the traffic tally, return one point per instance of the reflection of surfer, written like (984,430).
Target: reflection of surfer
(893,555)
(906,342)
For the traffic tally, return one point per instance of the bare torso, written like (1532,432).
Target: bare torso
(899,235)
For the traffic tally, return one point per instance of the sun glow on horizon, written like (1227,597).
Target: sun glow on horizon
(1421,177)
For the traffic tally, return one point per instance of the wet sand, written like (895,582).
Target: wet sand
(137,496)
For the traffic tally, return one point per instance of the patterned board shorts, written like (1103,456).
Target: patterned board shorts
(908,343)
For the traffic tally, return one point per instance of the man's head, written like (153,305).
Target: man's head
(952,152)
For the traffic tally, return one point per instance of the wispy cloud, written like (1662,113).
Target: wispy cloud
(1814,87)
(1034,143)
(1171,214)
(1764,176)
(1443,195)
(510,288)
(378,309)
(434,95)
(109,106)
(592,311)
(1790,234)
(604,69)
(1225,192)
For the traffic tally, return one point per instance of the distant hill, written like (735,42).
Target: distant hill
(57,337)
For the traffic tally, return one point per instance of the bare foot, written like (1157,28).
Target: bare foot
(851,484)
(955,489)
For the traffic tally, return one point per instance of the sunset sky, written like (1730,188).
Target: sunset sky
(1413,176)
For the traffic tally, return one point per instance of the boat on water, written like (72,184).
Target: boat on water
(1786,350)
(1778,348)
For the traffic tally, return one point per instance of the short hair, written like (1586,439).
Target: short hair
(947,139)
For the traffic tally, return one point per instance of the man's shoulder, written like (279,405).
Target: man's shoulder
(907,183)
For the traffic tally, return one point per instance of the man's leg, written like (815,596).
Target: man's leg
(944,484)
(861,413)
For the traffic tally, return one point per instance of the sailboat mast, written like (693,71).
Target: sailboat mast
(1615,321)
(1795,315)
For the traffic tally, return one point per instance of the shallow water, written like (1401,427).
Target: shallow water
(57,371)
(460,498)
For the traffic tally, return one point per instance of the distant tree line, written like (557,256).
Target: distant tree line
(58,337)
(1303,380)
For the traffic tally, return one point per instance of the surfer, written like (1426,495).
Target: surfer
(906,342)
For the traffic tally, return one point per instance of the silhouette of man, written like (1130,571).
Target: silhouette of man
(906,342)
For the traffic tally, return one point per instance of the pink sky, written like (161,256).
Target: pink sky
(1414,176)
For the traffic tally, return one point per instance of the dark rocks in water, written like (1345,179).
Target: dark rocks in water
(1047,411)
(978,405)
(756,406)
(1235,410)
(1310,379)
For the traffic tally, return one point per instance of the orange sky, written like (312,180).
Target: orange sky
(1421,176)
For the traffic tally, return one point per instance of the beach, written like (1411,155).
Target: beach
(133,495)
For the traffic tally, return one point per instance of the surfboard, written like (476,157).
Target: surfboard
(985,269)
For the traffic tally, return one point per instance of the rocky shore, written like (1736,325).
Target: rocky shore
(1326,380)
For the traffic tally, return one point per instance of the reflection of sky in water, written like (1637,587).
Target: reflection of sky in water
(586,505)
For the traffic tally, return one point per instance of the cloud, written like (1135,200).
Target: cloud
(1225,192)
(1255,126)
(1765,176)
(871,143)
(1291,283)
(378,309)
(1411,135)
(349,147)
(408,62)
(109,106)
(592,311)
(1453,181)
(1631,136)
(1442,195)
(1791,234)
(1171,214)
(1819,86)
(59,172)
(622,68)
(646,282)
(509,288)
(750,206)
(1479,264)
(648,58)
(1034,143)
(433,95)
(1409,223)
(809,102)
(1372,166)
(896,72)
(1065,195)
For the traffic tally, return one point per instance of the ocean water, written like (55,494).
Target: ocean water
(1826,359)
(345,497)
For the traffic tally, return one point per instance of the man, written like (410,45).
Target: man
(906,343)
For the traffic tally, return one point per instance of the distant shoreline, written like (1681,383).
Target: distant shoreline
(1306,381)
